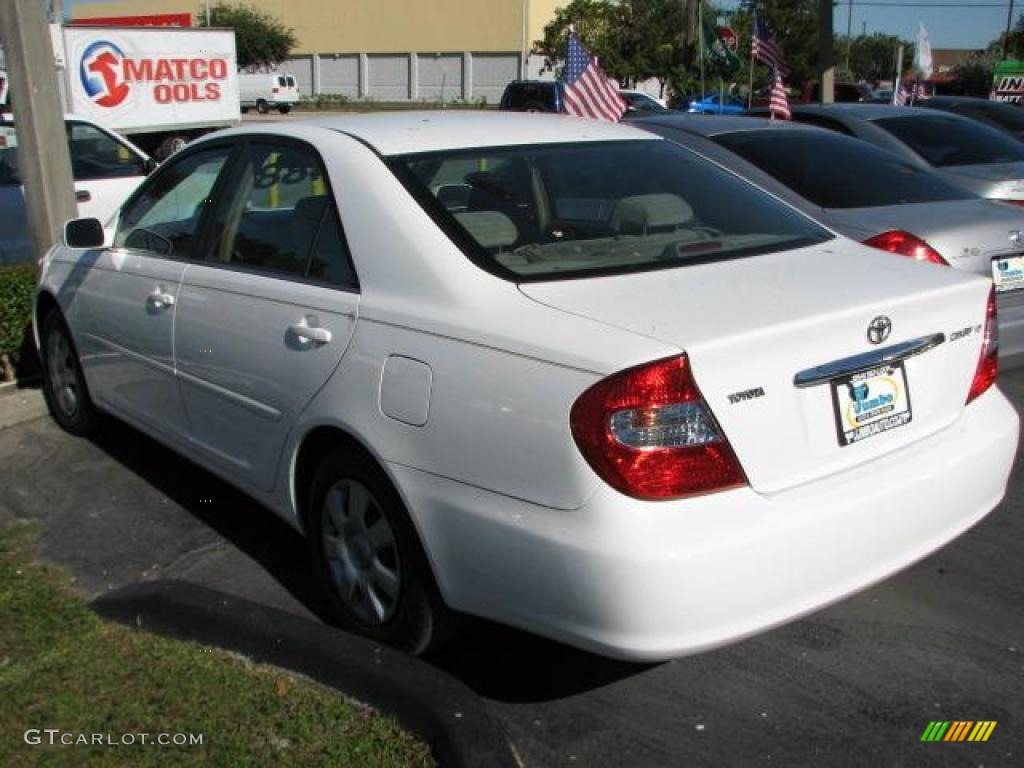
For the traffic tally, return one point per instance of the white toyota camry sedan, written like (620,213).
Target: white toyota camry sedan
(564,375)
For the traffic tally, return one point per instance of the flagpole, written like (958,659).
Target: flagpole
(899,71)
(700,46)
(750,88)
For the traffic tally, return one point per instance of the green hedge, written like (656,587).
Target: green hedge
(17,286)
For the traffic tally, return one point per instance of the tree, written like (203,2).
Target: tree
(261,40)
(633,39)
(795,23)
(873,57)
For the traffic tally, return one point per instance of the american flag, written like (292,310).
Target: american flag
(778,106)
(764,46)
(588,93)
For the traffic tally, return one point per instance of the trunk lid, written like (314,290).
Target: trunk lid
(750,325)
(967,233)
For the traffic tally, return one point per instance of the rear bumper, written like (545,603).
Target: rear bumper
(1010,308)
(650,581)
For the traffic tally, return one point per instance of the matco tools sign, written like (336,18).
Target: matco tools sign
(146,77)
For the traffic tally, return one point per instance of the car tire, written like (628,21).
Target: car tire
(262,107)
(368,559)
(64,387)
(284,109)
(245,110)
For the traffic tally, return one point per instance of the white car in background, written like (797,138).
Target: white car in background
(106,168)
(565,375)
(264,91)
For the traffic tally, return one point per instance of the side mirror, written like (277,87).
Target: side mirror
(84,233)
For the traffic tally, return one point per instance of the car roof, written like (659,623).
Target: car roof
(715,125)
(397,133)
(860,110)
(960,100)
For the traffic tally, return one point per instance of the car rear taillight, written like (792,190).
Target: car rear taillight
(1011,202)
(906,244)
(988,362)
(648,433)
(274,91)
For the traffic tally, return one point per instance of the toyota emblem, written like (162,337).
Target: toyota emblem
(879,329)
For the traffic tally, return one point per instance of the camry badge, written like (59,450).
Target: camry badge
(879,329)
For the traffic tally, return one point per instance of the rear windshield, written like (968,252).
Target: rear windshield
(282,81)
(1010,118)
(946,140)
(856,174)
(573,210)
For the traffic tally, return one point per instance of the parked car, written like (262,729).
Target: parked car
(810,92)
(1006,117)
(642,102)
(264,91)
(105,167)
(559,373)
(963,151)
(532,96)
(871,195)
(711,104)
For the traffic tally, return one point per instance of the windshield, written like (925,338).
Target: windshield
(571,210)
(857,175)
(946,140)
(1010,118)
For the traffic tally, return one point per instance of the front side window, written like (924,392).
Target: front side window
(570,210)
(280,217)
(947,140)
(856,175)
(164,215)
(97,155)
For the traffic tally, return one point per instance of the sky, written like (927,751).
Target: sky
(972,24)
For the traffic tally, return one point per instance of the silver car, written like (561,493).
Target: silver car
(871,195)
(966,152)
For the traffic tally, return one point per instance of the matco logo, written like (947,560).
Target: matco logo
(102,74)
(109,76)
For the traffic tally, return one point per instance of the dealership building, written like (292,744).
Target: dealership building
(390,50)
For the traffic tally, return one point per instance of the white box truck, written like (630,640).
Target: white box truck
(159,86)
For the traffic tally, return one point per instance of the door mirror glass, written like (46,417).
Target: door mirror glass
(84,233)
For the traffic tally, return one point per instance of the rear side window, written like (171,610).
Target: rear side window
(94,155)
(856,174)
(280,217)
(1010,118)
(165,214)
(947,140)
(572,210)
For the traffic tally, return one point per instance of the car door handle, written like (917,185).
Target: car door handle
(83,196)
(312,333)
(160,298)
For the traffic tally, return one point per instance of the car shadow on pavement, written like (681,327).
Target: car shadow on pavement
(497,662)
(513,666)
(242,521)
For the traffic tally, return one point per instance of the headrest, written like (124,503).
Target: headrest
(640,213)
(491,229)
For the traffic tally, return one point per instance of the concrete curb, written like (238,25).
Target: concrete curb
(428,702)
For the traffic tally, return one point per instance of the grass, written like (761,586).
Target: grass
(62,667)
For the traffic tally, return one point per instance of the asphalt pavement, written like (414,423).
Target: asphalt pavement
(853,685)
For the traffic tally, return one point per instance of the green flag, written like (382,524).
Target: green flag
(718,59)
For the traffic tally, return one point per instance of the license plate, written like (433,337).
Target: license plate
(1008,273)
(871,402)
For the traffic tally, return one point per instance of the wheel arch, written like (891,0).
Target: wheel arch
(45,303)
(322,439)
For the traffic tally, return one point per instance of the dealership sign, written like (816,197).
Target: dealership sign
(147,71)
